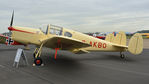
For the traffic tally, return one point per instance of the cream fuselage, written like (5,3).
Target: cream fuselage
(36,36)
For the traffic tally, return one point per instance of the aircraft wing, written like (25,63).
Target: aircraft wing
(64,43)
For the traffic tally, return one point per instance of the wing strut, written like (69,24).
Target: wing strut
(56,53)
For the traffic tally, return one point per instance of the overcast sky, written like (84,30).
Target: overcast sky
(80,15)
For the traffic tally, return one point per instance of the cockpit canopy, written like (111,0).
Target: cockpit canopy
(52,30)
(55,30)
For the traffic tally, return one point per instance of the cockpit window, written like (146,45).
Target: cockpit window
(55,30)
(44,29)
(68,34)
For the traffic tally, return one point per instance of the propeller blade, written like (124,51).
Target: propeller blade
(11,23)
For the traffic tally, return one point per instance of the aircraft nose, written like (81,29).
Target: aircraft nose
(10,28)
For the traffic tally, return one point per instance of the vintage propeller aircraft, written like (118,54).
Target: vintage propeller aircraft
(60,38)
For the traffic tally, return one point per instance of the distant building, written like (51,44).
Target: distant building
(143,31)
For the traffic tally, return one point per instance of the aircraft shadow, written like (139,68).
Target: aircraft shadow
(109,57)
(63,63)
(117,58)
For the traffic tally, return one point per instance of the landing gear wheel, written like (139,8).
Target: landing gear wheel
(122,56)
(38,61)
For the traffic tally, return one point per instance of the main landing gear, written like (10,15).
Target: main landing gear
(37,58)
(122,56)
(38,61)
(36,55)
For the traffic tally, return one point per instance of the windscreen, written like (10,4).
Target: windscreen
(44,29)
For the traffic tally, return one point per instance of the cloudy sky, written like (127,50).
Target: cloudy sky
(80,15)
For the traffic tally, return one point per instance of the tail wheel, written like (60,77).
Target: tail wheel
(122,56)
(38,61)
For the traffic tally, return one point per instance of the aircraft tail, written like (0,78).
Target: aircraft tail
(135,45)
(120,38)
(110,37)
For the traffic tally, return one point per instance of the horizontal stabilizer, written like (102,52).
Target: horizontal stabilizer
(122,46)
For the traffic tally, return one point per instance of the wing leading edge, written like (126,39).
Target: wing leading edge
(64,43)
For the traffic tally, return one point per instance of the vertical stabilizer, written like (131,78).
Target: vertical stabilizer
(120,38)
(135,45)
(110,37)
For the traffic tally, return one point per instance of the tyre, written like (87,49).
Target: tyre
(38,61)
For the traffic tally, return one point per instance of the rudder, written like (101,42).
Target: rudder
(120,38)
(110,37)
(135,45)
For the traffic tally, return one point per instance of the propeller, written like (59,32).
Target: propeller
(11,23)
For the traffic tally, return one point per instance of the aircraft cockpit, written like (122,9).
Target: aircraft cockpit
(56,30)
(52,29)
(59,31)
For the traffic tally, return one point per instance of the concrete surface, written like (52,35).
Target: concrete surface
(92,68)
